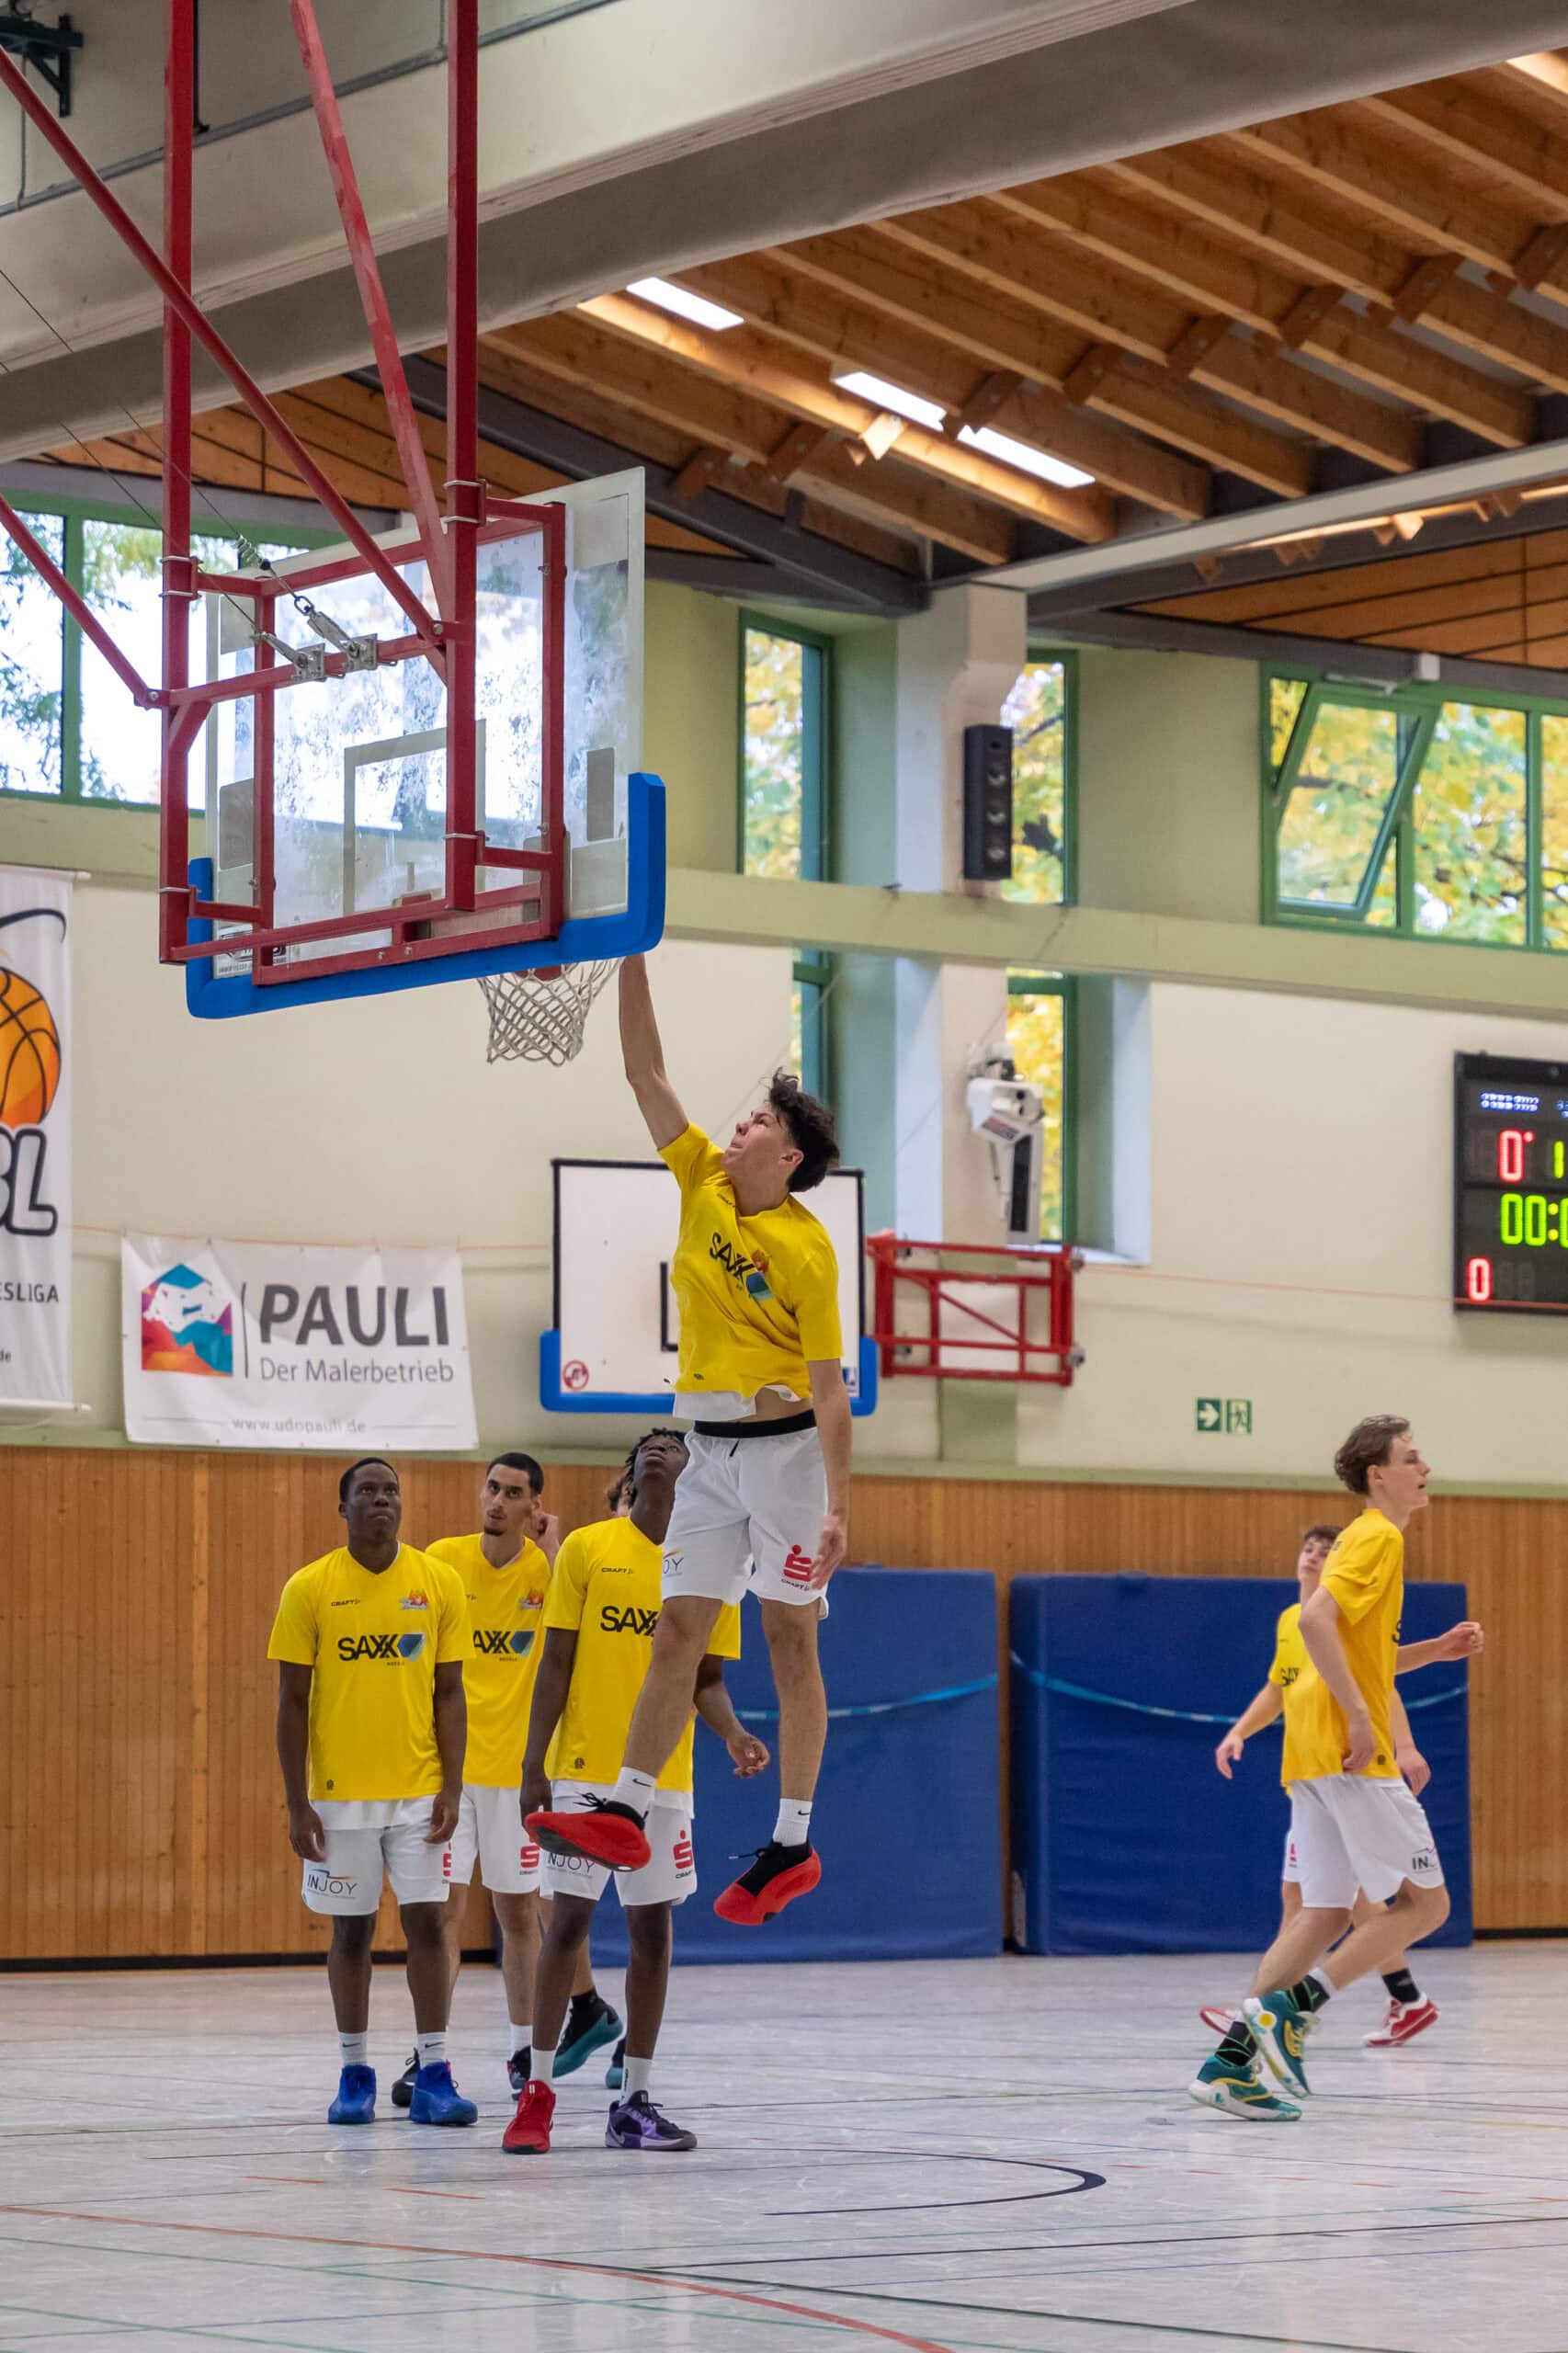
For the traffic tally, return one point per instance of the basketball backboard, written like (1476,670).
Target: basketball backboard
(616,1330)
(327,795)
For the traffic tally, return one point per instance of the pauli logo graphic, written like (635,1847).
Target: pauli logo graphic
(30,1061)
(188,1325)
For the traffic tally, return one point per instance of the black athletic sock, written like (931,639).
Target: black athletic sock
(585,2008)
(1236,2047)
(1402,1985)
(1310,1994)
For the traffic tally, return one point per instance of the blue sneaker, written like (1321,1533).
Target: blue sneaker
(615,2074)
(437,2099)
(356,2101)
(578,2044)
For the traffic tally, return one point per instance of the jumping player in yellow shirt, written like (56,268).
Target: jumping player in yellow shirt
(601,1617)
(1354,1823)
(370,1642)
(764,1501)
(1410,2013)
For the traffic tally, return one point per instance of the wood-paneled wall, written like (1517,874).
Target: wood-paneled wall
(140,1806)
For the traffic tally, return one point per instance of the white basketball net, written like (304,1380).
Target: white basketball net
(535,1019)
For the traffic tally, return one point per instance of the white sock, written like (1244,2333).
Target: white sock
(793,1827)
(430,2049)
(354,2050)
(636,1790)
(522,2038)
(638,2072)
(541,2067)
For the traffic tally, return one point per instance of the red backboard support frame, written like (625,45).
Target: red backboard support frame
(926,1352)
(447,541)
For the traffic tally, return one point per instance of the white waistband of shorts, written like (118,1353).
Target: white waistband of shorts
(728,1404)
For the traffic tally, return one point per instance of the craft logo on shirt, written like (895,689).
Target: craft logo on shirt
(798,1566)
(393,1646)
(188,1325)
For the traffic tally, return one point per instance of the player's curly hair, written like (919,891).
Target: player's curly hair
(810,1128)
(624,1489)
(364,1463)
(1321,1533)
(1368,1446)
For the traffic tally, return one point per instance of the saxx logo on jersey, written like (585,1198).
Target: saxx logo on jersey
(399,1648)
(628,1621)
(493,1642)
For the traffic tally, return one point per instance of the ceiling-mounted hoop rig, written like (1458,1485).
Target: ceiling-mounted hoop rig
(47,49)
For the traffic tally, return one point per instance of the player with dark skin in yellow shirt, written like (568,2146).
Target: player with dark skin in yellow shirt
(763,1505)
(370,1642)
(600,1618)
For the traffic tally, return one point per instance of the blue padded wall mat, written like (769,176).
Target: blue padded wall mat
(1125,1838)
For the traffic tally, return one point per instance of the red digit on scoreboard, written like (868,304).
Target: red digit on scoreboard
(1478,1281)
(1511,1142)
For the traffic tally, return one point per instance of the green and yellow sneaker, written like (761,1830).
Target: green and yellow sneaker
(1236,2091)
(1280,2028)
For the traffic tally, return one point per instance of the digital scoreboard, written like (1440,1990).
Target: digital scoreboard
(1510,1184)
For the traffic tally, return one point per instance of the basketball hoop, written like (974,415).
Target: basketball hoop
(541,1017)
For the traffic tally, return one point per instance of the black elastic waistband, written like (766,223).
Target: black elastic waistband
(784,1426)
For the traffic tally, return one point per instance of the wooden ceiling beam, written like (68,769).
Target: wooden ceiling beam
(1006,333)
(643,378)
(1011,258)
(755,364)
(809,312)
(1490,142)
(1335,152)
(1147,398)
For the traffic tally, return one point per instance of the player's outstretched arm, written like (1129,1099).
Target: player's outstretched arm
(1260,1710)
(642,1052)
(1467,1639)
(305,1832)
(830,1400)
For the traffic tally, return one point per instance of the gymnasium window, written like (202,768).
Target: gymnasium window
(1039,710)
(68,728)
(1423,813)
(810,1056)
(783,795)
(1040,1040)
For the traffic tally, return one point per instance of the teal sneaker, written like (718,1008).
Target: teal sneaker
(1280,2030)
(1236,2091)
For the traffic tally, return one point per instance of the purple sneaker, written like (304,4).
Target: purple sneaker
(636,2123)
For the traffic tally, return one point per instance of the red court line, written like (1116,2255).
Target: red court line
(487,2255)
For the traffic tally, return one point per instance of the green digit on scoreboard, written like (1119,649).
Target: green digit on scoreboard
(1512,1226)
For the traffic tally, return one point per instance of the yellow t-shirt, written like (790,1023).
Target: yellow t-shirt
(1365,1572)
(504,1608)
(1289,1660)
(375,1640)
(758,1296)
(606,1590)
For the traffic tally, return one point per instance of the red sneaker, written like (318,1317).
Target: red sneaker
(1219,2021)
(605,1831)
(527,2135)
(778,1876)
(1403,2022)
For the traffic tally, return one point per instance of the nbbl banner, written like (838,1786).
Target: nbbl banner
(261,1343)
(34,1138)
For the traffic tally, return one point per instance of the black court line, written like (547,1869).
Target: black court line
(1081,2180)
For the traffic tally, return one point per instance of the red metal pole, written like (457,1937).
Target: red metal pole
(212,343)
(173,822)
(79,610)
(373,299)
(465,493)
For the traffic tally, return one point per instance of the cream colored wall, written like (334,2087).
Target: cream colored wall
(1300,1188)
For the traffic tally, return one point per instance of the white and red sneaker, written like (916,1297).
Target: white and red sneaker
(1403,2022)
(1220,2021)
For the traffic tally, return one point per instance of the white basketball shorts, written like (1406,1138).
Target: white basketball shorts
(347,1881)
(1291,1868)
(668,1876)
(490,1829)
(1351,1832)
(748,1513)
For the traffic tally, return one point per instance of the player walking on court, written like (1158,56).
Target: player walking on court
(1410,2012)
(600,1619)
(370,1642)
(1353,1821)
(764,1500)
(504,1572)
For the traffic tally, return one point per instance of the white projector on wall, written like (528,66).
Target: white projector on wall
(1008,1111)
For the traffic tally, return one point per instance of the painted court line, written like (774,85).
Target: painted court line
(487,2255)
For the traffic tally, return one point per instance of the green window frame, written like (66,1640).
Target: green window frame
(801,853)
(1030,869)
(74,516)
(812,984)
(1058,1182)
(1388,901)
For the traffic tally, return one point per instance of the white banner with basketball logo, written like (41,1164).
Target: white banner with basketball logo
(268,1343)
(34,1138)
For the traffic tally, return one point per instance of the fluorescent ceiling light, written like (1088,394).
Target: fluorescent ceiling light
(1019,453)
(683,303)
(878,390)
